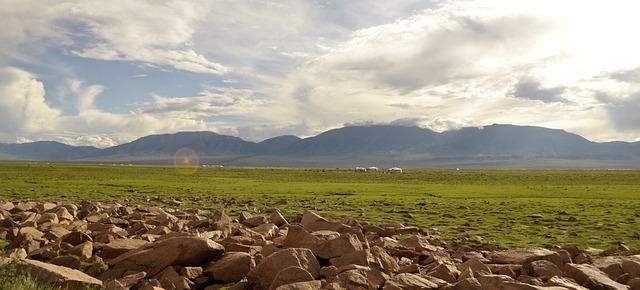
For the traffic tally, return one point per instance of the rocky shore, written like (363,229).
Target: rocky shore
(91,245)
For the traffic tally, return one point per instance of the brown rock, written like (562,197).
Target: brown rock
(75,238)
(64,214)
(634,283)
(186,251)
(470,283)
(169,279)
(290,275)
(254,221)
(475,265)
(375,257)
(56,232)
(48,217)
(68,261)
(445,272)
(27,242)
(337,247)
(98,268)
(131,280)
(83,251)
(298,237)
(265,272)
(277,218)
(631,267)
(266,230)
(191,272)
(517,256)
(309,285)
(541,268)
(492,281)
(313,222)
(591,277)
(231,267)
(408,281)
(57,276)
(564,282)
(418,243)
(120,246)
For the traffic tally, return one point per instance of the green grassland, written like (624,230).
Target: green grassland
(510,208)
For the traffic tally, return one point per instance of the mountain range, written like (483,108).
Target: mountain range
(494,146)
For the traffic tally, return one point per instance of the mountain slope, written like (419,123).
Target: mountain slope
(44,151)
(495,146)
(205,143)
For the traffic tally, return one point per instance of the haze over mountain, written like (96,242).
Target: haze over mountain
(495,146)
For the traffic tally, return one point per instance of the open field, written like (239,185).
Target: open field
(506,207)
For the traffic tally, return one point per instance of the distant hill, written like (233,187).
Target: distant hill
(495,146)
(45,151)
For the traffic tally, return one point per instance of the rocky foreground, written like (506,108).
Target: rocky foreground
(89,245)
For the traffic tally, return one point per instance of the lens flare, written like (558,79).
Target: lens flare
(186,161)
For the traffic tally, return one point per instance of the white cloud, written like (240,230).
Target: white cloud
(162,35)
(465,61)
(301,67)
(22,103)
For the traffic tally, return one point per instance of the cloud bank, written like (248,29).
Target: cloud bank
(102,73)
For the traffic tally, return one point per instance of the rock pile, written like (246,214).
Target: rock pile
(121,247)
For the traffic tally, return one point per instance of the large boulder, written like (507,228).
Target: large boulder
(231,267)
(57,276)
(264,273)
(185,251)
(591,277)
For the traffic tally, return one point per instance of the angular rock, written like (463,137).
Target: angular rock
(298,237)
(313,222)
(518,256)
(310,285)
(57,276)
(120,246)
(83,251)
(186,251)
(475,265)
(591,277)
(265,272)
(337,247)
(541,268)
(290,275)
(470,283)
(277,218)
(191,272)
(230,267)
(75,238)
(68,261)
(375,257)
(564,282)
(408,281)
(631,267)
(169,279)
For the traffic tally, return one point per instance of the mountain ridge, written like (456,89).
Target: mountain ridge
(493,146)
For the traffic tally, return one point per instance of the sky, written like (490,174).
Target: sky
(102,73)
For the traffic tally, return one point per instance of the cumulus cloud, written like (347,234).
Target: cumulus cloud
(22,103)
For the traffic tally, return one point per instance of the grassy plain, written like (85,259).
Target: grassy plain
(511,208)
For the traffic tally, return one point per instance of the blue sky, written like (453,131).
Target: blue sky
(103,73)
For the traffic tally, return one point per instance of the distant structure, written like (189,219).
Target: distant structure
(360,169)
(394,170)
(372,168)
